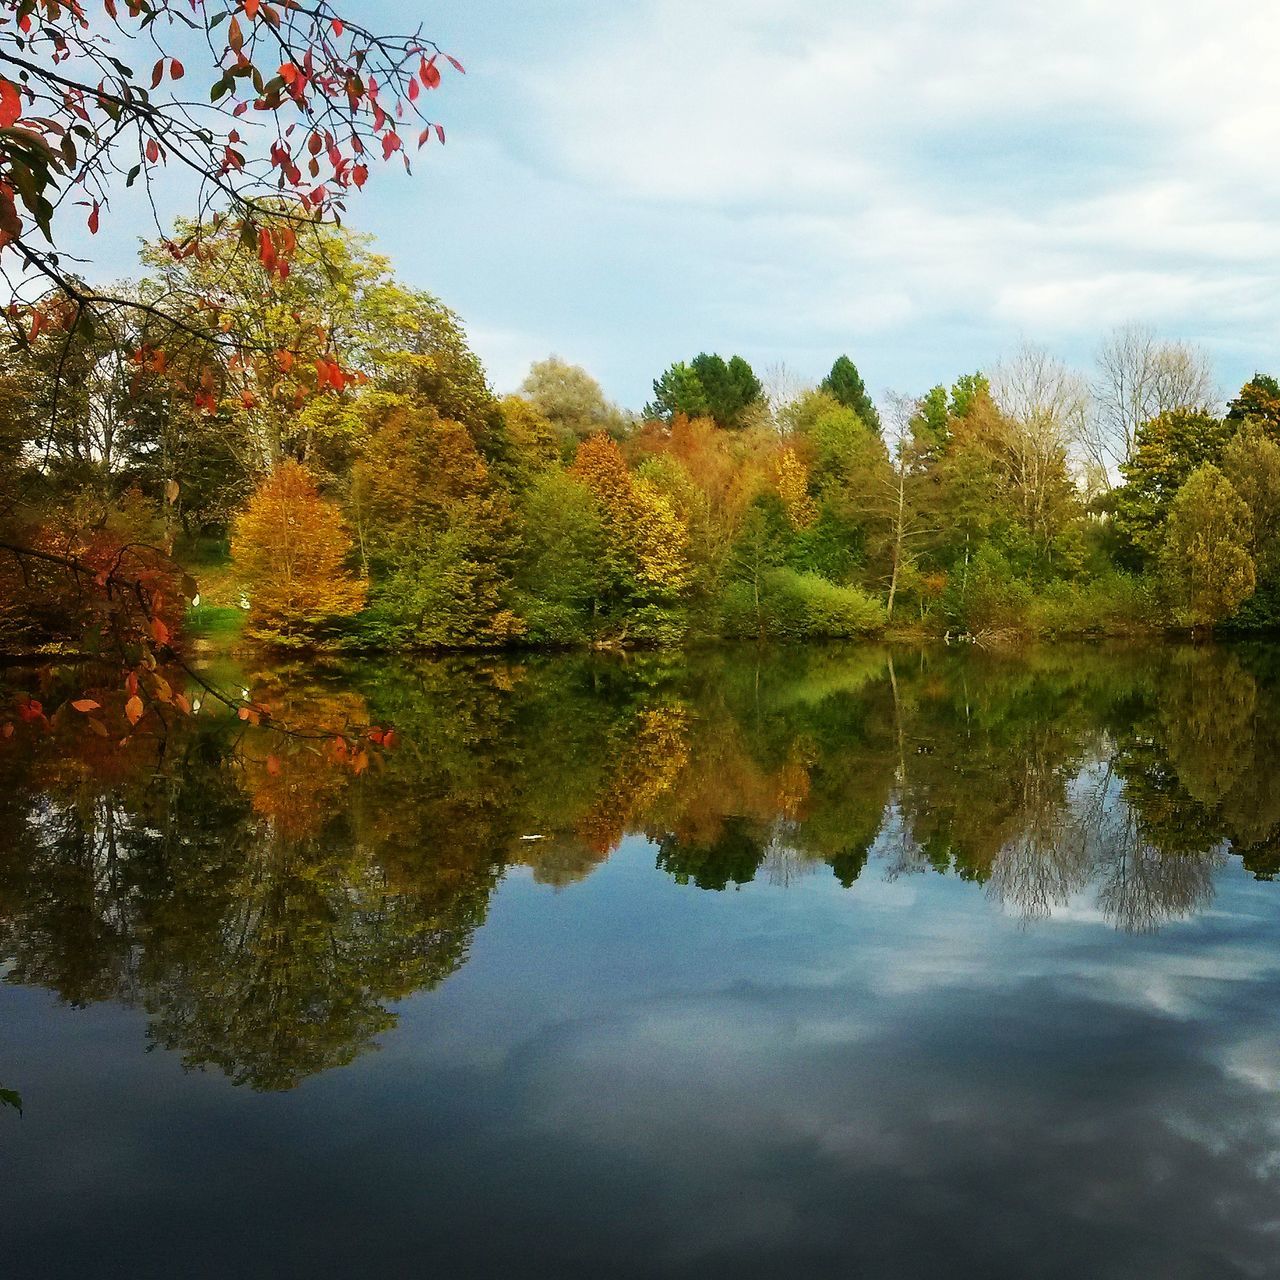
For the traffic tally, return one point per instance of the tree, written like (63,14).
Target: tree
(561,554)
(435,528)
(678,391)
(1139,378)
(645,560)
(297,97)
(1258,401)
(845,384)
(1167,450)
(291,549)
(1043,405)
(1204,559)
(300,96)
(571,400)
(731,388)
(1251,462)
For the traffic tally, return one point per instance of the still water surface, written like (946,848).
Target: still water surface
(821,963)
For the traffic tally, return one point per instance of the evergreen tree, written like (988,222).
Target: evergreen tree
(844,382)
(678,391)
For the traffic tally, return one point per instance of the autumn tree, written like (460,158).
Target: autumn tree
(291,550)
(646,545)
(435,529)
(297,99)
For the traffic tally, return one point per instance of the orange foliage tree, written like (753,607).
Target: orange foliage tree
(291,549)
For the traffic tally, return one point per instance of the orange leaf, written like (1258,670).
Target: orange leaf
(86,705)
(133,709)
(273,765)
(159,631)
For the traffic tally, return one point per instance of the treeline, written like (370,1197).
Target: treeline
(394,501)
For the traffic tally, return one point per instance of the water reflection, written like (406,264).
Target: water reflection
(266,913)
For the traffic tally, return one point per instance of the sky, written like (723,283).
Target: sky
(923,184)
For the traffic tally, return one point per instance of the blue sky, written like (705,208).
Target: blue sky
(922,184)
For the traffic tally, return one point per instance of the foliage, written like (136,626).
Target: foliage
(291,550)
(1168,449)
(571,400)
(708,386)
(1205,559)
(792,607)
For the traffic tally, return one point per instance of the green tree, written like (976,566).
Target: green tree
(1204,559)
(678,391)
(731,388)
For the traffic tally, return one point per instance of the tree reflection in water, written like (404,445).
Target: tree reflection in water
(267,911)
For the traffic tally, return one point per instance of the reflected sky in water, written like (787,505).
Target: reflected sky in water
(990,988)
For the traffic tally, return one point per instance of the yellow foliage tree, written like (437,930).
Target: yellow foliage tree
(290,548)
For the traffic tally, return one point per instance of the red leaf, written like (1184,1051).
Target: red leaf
(288,72)
(93,219)
(455,64)
(430,73)
(250,8)
(157,72)
(390,143)
(440,132)
(337,26)
(153,150)
(10,104)
(359,175)
(176,69)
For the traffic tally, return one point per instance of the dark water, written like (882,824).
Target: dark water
(825,963)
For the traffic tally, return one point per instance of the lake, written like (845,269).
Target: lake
(821,962)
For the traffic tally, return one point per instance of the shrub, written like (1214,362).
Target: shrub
(799,606)
(1115,604)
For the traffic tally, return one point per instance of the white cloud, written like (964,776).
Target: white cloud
(881,167)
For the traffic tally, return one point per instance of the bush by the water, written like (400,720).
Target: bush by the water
(799,606)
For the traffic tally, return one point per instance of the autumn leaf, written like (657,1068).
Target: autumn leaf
(133,709)
(86,705)
(10,104)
